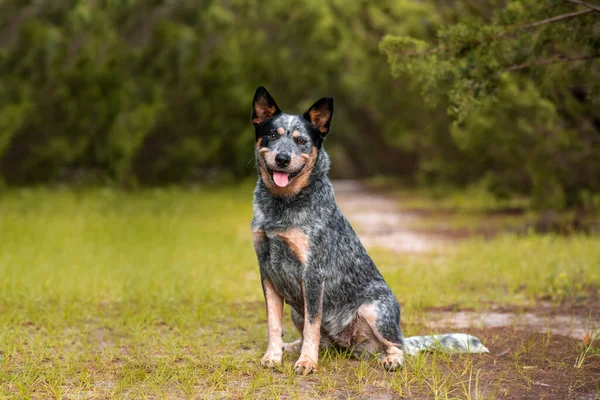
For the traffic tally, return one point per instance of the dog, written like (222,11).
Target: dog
(310,257)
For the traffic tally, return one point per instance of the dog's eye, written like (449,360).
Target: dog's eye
(272,136)
(301,141)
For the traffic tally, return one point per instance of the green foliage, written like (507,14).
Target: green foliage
(521,84)
(12,118)
(152,92)
(137,92)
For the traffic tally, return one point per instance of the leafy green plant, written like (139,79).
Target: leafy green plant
(521,85)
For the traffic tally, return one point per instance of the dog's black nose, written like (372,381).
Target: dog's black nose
(283,160)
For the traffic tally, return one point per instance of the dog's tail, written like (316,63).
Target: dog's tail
(448,343)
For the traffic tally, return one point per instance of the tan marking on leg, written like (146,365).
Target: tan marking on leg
(363,340)
(372,341)
(309,356)
(280,130)
(298,243)
(368,313)
(274,353)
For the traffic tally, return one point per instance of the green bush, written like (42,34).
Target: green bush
(521,84)
(153,92)
(156,92)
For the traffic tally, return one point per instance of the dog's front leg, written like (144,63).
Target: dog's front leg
(274,354)
(273,301)
(312,291)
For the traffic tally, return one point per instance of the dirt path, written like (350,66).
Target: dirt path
(380,223)
(573,326)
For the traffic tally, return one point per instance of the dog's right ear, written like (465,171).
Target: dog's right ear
(320,114)
(263,106)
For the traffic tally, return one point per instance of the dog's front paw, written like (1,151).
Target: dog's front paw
(392,362)
(271,360)
(305,366)
(293,347)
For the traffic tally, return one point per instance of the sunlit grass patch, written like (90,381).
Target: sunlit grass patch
(157,294)
(509,269)
(105,246)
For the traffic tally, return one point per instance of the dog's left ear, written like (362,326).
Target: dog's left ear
(263,106)
(320,114)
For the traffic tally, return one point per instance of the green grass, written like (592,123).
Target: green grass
(509,269)
(157,294)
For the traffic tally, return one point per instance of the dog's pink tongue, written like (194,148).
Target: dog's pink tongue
(281,178)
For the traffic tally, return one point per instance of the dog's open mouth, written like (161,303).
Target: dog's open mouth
(282,178)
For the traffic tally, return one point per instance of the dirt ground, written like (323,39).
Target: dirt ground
(520,365)
(380,223)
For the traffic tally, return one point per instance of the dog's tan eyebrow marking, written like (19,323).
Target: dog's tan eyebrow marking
(296,134)
(280,130)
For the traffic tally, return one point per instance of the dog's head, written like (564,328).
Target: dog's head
(288,145)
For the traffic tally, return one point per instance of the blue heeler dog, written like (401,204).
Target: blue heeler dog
(311,258)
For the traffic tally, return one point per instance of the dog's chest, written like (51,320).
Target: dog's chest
(287,256)
(284,244)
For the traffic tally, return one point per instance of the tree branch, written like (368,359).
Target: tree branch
(558,59)
(556,18)
(520,28)
(583,3)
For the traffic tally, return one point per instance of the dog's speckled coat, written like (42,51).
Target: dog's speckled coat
(309,255)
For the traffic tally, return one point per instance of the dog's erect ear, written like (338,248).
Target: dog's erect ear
(320,114)
(263,106)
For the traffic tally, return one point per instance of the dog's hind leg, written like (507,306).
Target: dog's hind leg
(378,330)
